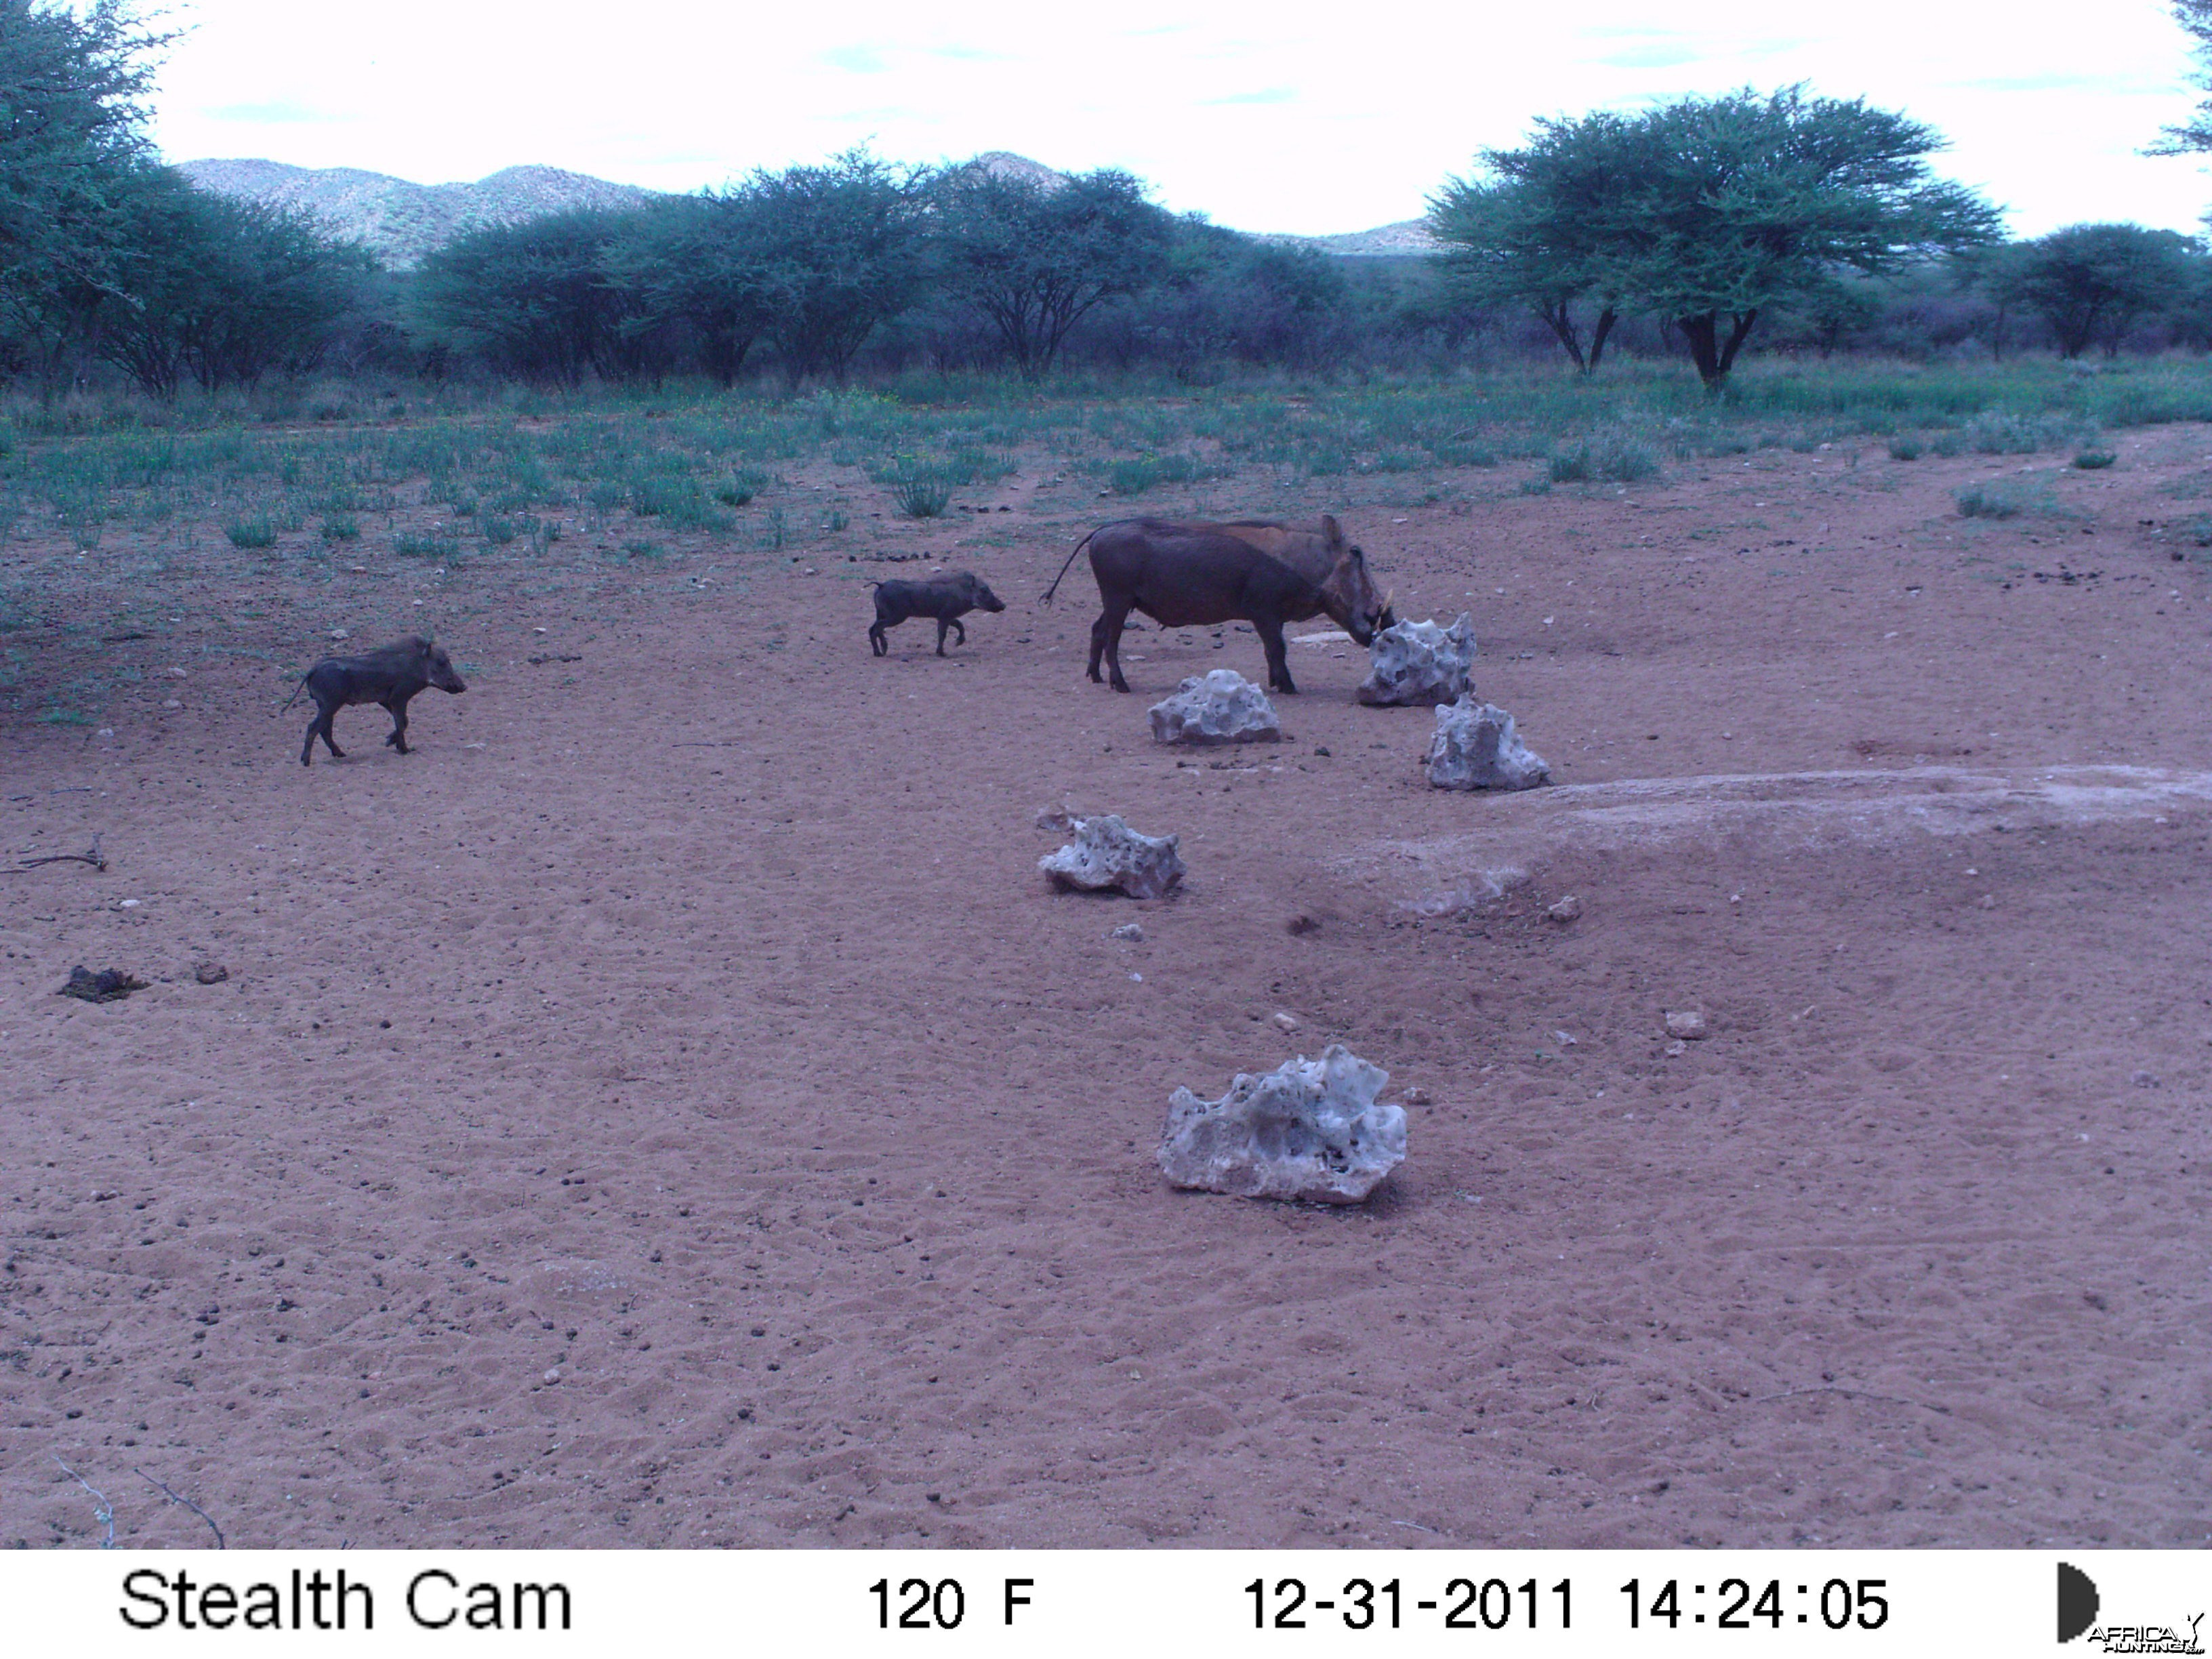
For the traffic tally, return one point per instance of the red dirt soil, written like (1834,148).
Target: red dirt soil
(670,1108)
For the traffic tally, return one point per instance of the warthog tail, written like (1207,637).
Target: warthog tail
(1055,588)
(294,697)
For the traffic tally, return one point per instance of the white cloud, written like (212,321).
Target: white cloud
(1263,116)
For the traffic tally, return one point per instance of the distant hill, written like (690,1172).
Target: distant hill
(1406,237)
(401,221)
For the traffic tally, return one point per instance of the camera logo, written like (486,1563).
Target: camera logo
(2079,1605)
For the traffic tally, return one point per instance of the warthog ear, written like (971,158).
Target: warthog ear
(1330,528)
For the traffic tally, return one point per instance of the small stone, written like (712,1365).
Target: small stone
(1220,706)
(1987,901)
(1308,1129)
(552,1375)
(1285,1022)
(1567,909)
(338,633)
(1688,1024)
(1476,747)
(2142,1079)
(1301,924)
(1108,854)
(1415,1097)
(210,973)
(1678,1048)
(1419,663)
(1130,931)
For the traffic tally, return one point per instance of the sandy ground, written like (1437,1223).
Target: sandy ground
(669,1108)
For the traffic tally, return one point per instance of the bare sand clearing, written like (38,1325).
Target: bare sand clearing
(670,1108)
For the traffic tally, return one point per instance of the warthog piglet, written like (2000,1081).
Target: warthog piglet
(947,597)
(389,676)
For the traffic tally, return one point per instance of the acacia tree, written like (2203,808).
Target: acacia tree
(1711,210)
(2091,283)
(699,262)
(2195,134)
(1035,258)
(1527,233)
(72,145)
(840,252)
(531,297)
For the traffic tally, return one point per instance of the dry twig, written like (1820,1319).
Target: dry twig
(105,1513)
(179,1497)
(92,855)
(1854,1393)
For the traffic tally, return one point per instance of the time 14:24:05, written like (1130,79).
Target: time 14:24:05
(1737,1602)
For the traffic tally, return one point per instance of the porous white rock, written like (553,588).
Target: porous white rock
(1418,662)
(1476,747)
(1106,853)
(1222,707)
(1309,1129)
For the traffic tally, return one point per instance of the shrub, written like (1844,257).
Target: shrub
(734,494)
(1612,454)
(2094,461)
(425,547)
(258,530)
(499,532)
(2003,498)
(642,549)
(1904,447)
(341,527)
(920,496)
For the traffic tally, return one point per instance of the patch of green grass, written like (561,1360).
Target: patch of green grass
(341,527)
(640,548)
(1905,447)
(2005,498)
(256,530)
(920,495)
(2093,460)
(497,531)
(426,547)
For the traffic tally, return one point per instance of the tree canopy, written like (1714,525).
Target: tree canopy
(1034,258)
(2093,283)
(1708,211)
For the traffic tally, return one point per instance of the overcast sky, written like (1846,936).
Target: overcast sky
(1263,116)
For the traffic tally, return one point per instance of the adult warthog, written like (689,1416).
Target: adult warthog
(1194,575)
(1311,550)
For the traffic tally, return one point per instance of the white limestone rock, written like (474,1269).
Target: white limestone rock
(1107,854)
(1222,707)
(1309,1129)
(1418,662)
(1476,747)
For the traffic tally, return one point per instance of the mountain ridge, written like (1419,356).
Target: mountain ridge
(401,221)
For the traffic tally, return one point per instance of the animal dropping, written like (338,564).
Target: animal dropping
(1220,706)
(1418,663)
(1476,747)
(1107,854)
(1309,1129)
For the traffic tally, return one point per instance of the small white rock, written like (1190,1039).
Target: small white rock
(1107,852)
(1419,663)
(1688,1024)
(1285,1022)
(1476,746)
(1221,707)
(552,1375)
(1678,1048)
(1569,908)
(1130,931)
(1309,1129)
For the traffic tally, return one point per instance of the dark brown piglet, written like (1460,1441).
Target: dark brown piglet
(389,676)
